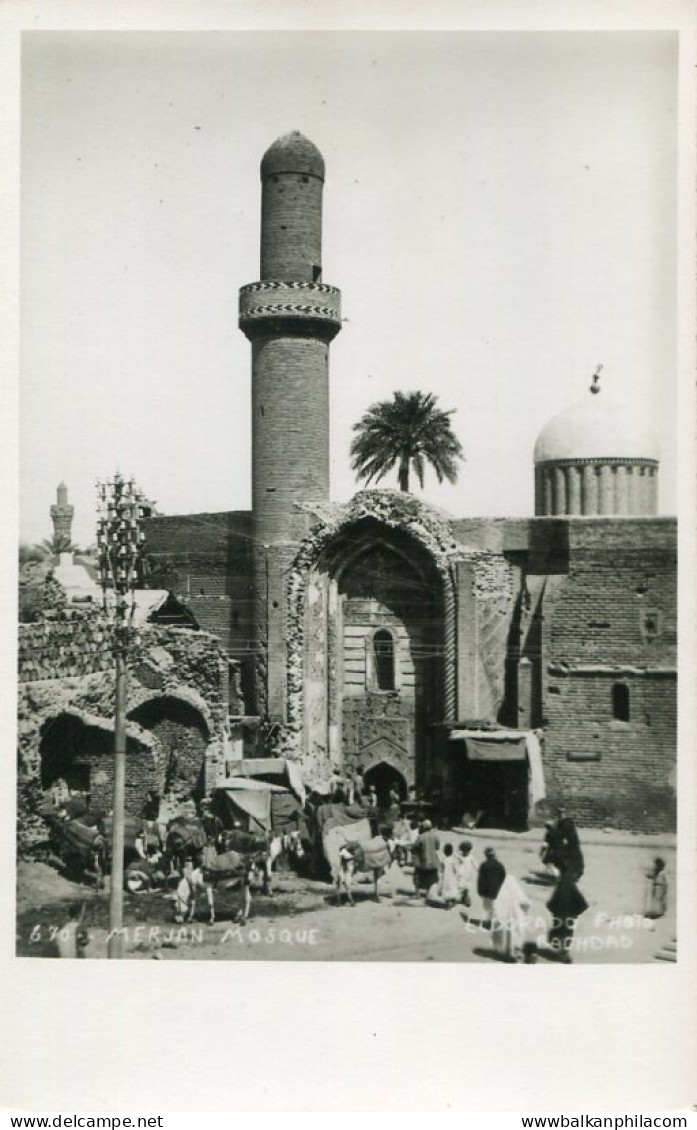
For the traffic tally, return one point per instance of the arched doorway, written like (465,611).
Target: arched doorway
(182,737)
(68,748)
(80,750)
(385,778)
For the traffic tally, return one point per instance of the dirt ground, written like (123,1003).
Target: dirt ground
(301,920)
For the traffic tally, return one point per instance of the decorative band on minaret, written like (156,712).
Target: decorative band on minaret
(290,317)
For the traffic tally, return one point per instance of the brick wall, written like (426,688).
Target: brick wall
(610,618)
(596,607)
(611,772)
(66,644)
(613,589)
(69,645)
(181,740)
(206,560)
(497,534)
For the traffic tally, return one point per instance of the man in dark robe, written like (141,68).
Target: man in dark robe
(489,881)
(566,904)
(151,806)
(551,850)
(569,850)
(425,856)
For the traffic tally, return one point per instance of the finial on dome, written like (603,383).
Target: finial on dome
(595,387)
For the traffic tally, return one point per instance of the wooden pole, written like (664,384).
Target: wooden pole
(115,945)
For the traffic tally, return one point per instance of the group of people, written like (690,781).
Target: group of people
(449,878)
(446,877)
(445,874)
(355,790)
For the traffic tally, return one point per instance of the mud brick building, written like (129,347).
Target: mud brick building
(182,689)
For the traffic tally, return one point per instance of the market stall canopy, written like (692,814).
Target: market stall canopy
(513,749)
(507,745)
(258,805)
(276,770)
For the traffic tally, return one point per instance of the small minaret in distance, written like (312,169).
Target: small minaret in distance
(62,516)
(290,316)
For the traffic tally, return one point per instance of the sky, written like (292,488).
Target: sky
(499,213)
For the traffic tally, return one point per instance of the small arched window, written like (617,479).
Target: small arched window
(383,651)
(620,702)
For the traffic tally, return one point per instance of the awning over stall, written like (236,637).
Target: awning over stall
(504,750)
(274,769)
(267,808)
(253,798)
(507,745)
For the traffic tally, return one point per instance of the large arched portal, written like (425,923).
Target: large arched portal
(374,660)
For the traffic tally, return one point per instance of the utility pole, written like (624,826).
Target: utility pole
(119,543)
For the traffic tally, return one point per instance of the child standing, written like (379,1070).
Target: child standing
(344,878)
(466,872)
(246,891)
(448,885)
(656,890)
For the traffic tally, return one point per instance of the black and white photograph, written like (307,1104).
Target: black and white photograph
(350,475)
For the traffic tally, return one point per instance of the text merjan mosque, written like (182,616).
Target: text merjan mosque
(483,661)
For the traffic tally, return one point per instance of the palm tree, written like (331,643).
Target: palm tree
(59,543)
(409,430)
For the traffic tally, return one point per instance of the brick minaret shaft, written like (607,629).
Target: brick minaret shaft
(290,316)
(62,515)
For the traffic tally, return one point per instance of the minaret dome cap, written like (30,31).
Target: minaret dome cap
(292,153)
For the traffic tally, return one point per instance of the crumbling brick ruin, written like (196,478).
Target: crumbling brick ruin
(179,702)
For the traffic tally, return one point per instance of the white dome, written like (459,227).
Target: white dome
(597,428)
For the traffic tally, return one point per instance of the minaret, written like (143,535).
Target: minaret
(290,316)
(62,515)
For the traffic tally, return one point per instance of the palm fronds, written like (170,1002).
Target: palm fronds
(409,430)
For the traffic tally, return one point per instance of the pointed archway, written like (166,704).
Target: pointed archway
(386,778)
